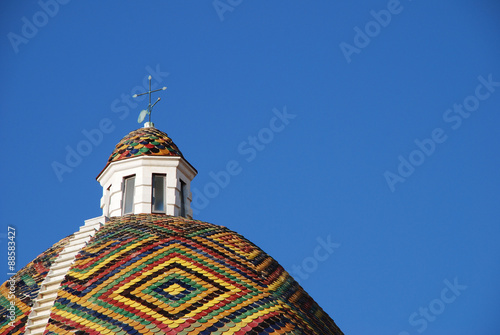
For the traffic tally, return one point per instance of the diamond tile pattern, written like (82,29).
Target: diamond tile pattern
(144,141)
(158,274)
(27,285)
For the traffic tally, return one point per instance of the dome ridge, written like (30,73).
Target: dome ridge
(27,283)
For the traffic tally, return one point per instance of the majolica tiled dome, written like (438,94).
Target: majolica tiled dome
(144,142)
(158,274)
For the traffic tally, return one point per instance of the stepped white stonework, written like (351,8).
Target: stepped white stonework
(40,313)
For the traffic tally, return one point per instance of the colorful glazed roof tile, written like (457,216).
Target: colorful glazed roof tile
(27,284)
(158,274)
(147,141)
(144,142)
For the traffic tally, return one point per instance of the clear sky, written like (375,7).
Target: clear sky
(365,132)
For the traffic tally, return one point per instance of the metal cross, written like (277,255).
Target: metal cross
(150,107)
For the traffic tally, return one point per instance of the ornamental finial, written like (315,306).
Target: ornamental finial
(145,112)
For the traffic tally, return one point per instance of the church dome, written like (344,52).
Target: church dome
(147,141)
(160,274)
(144,141)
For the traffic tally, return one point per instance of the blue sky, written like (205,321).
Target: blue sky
(365,132)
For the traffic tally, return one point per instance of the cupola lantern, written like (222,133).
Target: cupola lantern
(147,173)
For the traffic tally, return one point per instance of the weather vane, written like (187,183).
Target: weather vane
(143,113)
